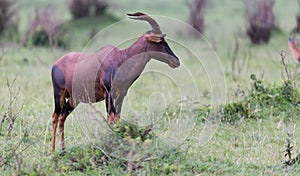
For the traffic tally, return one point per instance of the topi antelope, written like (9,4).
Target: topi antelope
(293,46)
(294,49)
(105,75)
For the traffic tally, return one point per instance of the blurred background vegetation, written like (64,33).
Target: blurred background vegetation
(258,121)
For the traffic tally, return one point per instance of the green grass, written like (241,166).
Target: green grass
(177,101)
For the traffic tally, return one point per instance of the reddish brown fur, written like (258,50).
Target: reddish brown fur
(106,57)
(95,69)
(115,58)
(294,49)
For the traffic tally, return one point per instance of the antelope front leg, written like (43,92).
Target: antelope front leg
(116,106)
(54,126)
(113,118)
(110,109)
(116,118)
(110,118)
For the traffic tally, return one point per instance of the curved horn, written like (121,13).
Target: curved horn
(151,21)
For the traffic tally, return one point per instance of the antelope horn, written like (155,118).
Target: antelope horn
(151,21)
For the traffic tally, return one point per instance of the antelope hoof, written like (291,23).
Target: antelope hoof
(113,119)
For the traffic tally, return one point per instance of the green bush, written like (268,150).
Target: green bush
(128,130)
(41,38)
(262,100)
(45,30)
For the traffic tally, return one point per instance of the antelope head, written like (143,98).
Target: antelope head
(156,43)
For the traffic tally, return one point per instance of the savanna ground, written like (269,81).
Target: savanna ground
(208,116)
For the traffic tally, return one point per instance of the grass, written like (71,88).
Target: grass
(177,101)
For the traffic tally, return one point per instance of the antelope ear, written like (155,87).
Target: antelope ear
(154,38)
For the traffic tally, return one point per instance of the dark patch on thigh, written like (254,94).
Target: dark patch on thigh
(58,83)
(58,78)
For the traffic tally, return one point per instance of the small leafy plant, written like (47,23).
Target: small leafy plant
(132,131)
(262,99)
(288,152)
(45,30)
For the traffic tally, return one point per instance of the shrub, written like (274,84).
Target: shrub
(262,99)
(100,7)
(260,19)
(7,14)
(45,30)
(196,18)
(84,8)
(13,140)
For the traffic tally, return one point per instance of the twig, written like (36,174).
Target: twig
(2,55)
(1,123)
(103,117)
(106,154)
(12,99)
(238,65)
(283,55)
(289,149)
(46,131)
